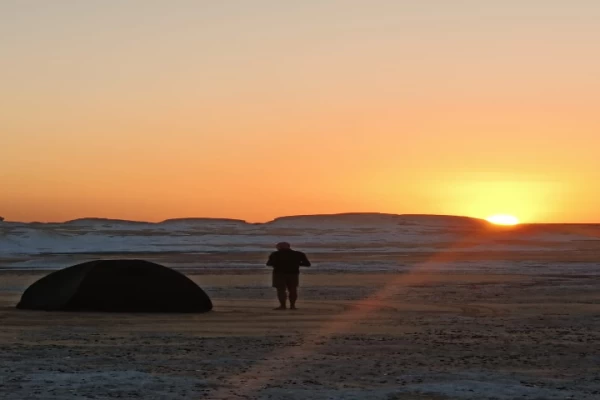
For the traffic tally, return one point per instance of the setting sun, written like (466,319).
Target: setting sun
(503,219)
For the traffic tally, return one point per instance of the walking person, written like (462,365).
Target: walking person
(286,265)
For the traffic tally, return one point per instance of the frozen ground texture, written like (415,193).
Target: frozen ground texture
(383,336)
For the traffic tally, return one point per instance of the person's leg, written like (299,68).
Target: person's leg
(293,297)
(292,285)
(279,284)
(282,296)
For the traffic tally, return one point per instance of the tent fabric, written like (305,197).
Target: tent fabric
(116,286)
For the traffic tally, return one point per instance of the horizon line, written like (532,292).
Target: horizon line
(286,216)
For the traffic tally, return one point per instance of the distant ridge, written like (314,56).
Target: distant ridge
(85,220)
(102,220)
(358,219)
(382,218)
(203,219)
(377,215)
(349,217)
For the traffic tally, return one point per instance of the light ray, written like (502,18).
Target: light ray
(271,368)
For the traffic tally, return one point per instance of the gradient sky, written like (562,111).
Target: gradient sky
(149,110)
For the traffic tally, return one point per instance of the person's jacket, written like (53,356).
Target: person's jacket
(287,261)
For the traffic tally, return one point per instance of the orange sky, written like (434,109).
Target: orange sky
(153,110)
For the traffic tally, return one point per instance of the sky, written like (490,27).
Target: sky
(147,110)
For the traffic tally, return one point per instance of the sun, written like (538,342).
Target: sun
(503,219)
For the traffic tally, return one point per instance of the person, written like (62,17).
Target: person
(286,265)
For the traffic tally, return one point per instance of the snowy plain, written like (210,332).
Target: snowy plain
(349,241)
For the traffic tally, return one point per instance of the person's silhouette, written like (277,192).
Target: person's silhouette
(286,265)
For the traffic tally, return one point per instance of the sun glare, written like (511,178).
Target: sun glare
(503,219)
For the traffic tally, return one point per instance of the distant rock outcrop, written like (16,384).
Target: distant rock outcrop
(203,220)
(175,221)
(1,219)
(316,220)
(95,221)
(378,219)
(357,219)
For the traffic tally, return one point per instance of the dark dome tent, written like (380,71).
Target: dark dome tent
(116,286)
